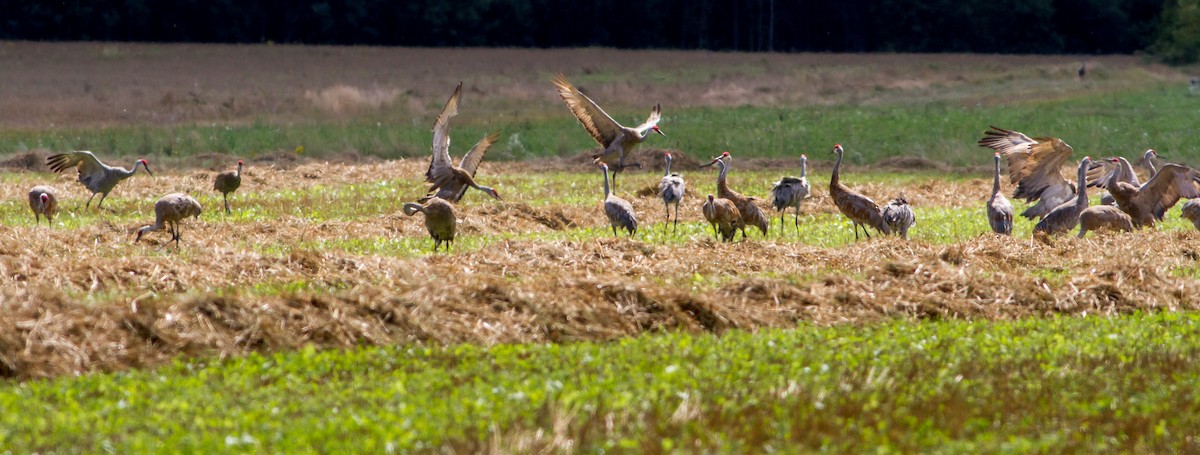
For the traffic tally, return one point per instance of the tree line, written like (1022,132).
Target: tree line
(992,26)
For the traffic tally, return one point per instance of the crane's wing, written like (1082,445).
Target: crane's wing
(1014,145)
(86,162)
(1042,169)
(597,123)
(651,121)
(1171,183)
(1101,173)
(470,161)
(440,163)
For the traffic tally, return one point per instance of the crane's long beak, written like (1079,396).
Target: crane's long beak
(148,169)
(709,164)
(656,130)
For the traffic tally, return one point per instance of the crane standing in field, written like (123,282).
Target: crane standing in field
(618,141)
(97,177)
(723,216)
(168,212)
(440,219)
(999,210)
(228,182)
(1103,217)
(751,214)
(448,181)
(619,211)
(1066,216)
(671,189)
(861,210)
(1034,165)
(790,192)
(43,203)
(898,215)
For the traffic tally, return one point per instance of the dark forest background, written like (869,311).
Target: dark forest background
(1003,26)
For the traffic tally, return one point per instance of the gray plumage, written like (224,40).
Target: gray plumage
(619,211)
(168,212)
(790,192)
(861,210)
(999,210)
(1066,216)
(228,182)
(899,216)
(671,189)
(1103,217)
(440,219)
(1191,211)
(43,203)
(97,177)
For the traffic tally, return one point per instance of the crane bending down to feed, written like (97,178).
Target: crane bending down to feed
(619,211)
(97,177)
(1103,217)
(228,182)
(751,214)
(168,212)
(1034,166)
(1191,211)
(1066,216)
(899,216)
(618,141)
(789,192)
(1102,175)
(861,210)
(448,181)
(43,203)
(723,216)
(671,189)
(1148,203)
(999,210)
(440,219)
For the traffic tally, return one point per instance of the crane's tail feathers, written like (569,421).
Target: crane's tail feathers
(411,209)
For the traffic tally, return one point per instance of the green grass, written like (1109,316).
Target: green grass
(1157,116)
(1049,385)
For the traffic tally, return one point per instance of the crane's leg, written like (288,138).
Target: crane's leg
(226,202)
(781,215)
(796,220)
(101,203)
(89,202)
(675,227)
(855,232)
(866,232)
(614,228)
(665,223)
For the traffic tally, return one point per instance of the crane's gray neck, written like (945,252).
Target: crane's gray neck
(721,176)
(1082,185)
(607,191)
(996,176)
(804,167)
(239,171)
(1148,157)
(837,168)
(668,171)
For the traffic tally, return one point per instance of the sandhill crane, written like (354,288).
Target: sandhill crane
(619,211)
(43,203)
(448,181)
(789,192)
(1103,217)
(228,182)
(169,211)
(723,216)
(97,177)
(671,189)
(861,210)
(440,219)
(1082,69)
(898,215)
(618,141)
(1150,202)
(751,214)
(999,210)
(1034,165)
(1103,175)
(1191,211)
(1066,216)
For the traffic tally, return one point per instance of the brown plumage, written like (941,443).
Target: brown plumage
(1191,211)
(1035,166)
(43,203)
(752,215)
(618,141)
(1103,174)
(724,217)
(1103,217)
(97,177)
(1149,203)
(168,212)
(1066,216)
(448,181)
(861,210)
(228,182)
(619,211)
(440,219)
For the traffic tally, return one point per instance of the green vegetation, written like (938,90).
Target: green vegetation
(1053,385)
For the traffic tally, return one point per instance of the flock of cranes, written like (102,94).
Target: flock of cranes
(1034,166)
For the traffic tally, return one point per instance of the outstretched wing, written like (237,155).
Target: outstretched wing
(651,121)
(597,123)
(1014,145)
(1170,184)
(1042,169)
(86,162)
(1102,173)
(470,161)
(440,164)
